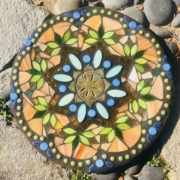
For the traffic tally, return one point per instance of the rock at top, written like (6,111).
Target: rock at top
(177,2)
(135,14)
(158,12)
(176,21)
(161,32)
(117,4)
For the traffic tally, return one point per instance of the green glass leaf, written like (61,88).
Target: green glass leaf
(109,41)
(134,50)
(40,107)
(127,50)
(108,34)
(142,103)
(139,54)
(53,120)
(42,101)
(88,134)
(101,32)
(84,140)
(58,38)
(67,36)
(123,126)
(72,41)
(93,34)
(52,45)
(43,65)
(55,52)
(111,136)
(145,90)
(46,118)
(135,106)
(90,41)
(122,119)
(40,83)
(69,139)
(34,72)
(69,130)
(139,68)
(35,78)
(36,66)
(75,142)
(39,114)
(141,61)
(148,97)
(105,130)
(119,134)
(140,85)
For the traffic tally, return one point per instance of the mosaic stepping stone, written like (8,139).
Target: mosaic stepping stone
(91,89)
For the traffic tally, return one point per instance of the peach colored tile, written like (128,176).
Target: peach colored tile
(92,126)
(85,46)
(97,130)
(133,76)
(124,39)
(84,152)
(113,51)
(50,65)
(61,28)
(110,24)
(25,63)
(33,54)
(145,118)
(131,136)
(138,117)
(62,119)
(45,88)
(44,132)
(133,84)
(105,146)
(74,28)
(117,146)
(58,141)
(129,114)
(24,77)
(120,32)
(37,93)
(27,99)
(123,79)
(55,60)
(152,64)
(143,43)
(52,92)
(36,126)
(118,48)
(158,88)
(147,75)
(94,22)
(84,28)
(25,87)
(48,99)
(120,115)
(98,138)
(47,36)
(151,55)
(43,55)
(133,38)
(42,46)
(95,146)
(80,40)
(65,149)
(123,108)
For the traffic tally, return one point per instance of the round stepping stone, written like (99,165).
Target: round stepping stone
(92,90)
(158,12)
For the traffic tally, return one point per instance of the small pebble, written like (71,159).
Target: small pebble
(173,47)
(161,32)
(176,21)
(136,2)
(117,4)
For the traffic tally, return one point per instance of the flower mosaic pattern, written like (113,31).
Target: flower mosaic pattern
(91,89)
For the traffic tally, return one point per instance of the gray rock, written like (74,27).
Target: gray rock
(133,170)
(137,2)
(62,6)
(18,20)
(135,14)
(114,4)
(176,21)
(177,2)
(161,32)
(111,176)
(97,3)
(5,84)
(127,177)
(149,173)
(172,46)
(158,12)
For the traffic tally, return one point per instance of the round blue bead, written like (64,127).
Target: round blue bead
(66,68)
(153,131)
(13,96)
(27,42)
(73,108)
(44,146)
(116,82)
(62,88)
(110,102)
(86,58)
(107,64)
(76,15)
(166,67)
(99,163)
(91,113)
(132,25)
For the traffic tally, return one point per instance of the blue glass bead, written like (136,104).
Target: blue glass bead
(91,168)
(166,67)
(91,113)
(86,58)
(73,108)
(84,12)
(76,15)
(13,96)
(116,82)
(49,153)
(32,35)
(110,102)
(169,74)
(149,138)
(139,27)
(132,24)
(107,64)
(99,163)
(126,19)
(164,59)
(22,49)
(15,104)
(66,68)
(153,131)
(27,42)
(108,164)
(68,14)
(62,88)
(44,146)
